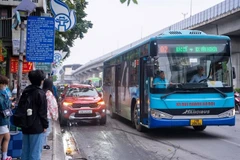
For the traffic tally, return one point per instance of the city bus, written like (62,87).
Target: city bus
(130,92)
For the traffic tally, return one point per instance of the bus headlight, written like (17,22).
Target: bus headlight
(160,115)
(229,113)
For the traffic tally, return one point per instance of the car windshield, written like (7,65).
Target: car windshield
(82,92)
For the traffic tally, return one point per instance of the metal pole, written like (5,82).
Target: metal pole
(191,8)
(20,61)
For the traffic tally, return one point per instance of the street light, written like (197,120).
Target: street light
(184,15)
(191,8)
(22,11)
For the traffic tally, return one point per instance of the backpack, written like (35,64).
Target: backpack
(21,118)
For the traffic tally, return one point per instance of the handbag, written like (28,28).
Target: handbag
(7,113)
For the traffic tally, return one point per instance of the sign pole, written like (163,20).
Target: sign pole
(20,63)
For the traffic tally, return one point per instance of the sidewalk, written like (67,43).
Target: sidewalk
(55,142)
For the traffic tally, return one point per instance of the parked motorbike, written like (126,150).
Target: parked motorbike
(237,101)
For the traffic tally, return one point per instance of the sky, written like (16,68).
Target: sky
(116,25)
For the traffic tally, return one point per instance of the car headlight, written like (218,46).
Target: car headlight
(229,113)
(160,115)
(67,104)
(101,102)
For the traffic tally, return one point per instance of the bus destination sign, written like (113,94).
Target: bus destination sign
(191,48)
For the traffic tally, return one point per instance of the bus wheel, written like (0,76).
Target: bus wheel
(136,118)
(199,128)
(112,115)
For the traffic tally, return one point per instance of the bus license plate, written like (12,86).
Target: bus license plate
(196,122)
(85,111)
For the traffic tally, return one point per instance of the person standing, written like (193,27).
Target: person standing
(52,109)
(4,121)
(33,135)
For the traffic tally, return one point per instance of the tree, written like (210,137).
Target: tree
(64,40)
(128,1)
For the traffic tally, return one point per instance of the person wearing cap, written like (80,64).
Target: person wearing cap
(160,81)
(199,76)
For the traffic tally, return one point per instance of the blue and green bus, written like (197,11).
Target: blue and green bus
(96,81)
(129,90)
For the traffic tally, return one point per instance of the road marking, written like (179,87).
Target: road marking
(231,142)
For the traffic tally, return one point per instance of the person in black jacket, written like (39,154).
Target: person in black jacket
(33,136)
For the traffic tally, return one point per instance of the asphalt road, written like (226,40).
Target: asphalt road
(117,140)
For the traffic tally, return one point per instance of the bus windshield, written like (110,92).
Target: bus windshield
(192,66)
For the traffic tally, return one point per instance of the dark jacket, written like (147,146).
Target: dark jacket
(4,104)
(39,109)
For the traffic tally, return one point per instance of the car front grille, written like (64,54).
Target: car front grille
(85,115)
(91,105)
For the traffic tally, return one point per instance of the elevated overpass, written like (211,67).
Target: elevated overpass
(221,19)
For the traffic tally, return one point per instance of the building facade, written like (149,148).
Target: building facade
(9,37)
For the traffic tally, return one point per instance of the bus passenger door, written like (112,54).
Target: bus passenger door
(143,92)
(117,89)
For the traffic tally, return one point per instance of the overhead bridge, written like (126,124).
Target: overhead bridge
(221,19)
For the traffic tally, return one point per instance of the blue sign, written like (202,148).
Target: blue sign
(65,19)
(40,39)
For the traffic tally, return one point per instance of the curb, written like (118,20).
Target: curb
(58,151)
(80,153)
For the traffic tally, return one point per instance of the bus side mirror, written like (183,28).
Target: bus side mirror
(234,73)
(153,48)
(149,69)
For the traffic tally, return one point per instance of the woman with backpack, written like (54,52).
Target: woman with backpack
(52,109)
(4,118)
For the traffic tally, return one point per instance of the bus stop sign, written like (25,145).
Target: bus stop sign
(40,39)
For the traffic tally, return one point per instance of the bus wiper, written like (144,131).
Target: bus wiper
(222,93)
(181,91)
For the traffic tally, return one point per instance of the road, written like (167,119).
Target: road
(117,140)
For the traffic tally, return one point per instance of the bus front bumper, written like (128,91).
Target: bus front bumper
(158,123)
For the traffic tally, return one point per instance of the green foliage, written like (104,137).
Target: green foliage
(64,40)
(237,90)
(2,71)
(4,51)
(128,1)
(54,77)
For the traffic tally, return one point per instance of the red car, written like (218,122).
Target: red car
(81,102)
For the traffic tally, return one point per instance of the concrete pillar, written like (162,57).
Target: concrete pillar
(235,44)
(84,77)
(101,74)
(95,74)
